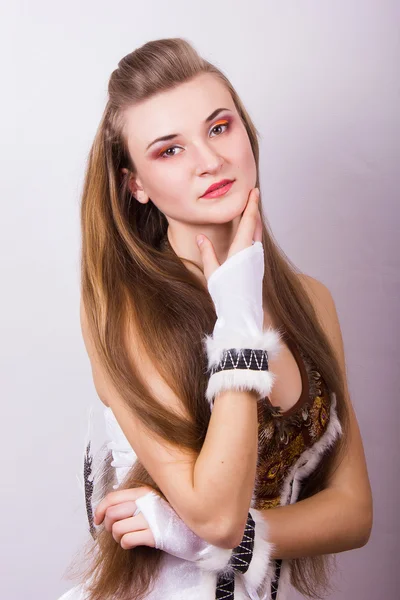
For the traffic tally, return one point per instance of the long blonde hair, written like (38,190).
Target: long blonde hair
(127,272)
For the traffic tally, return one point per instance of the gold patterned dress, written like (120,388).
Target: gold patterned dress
(291,444)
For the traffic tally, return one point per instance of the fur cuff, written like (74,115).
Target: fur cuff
(260,380)
(240,379)
(264,340)
(262,551)
(217,559)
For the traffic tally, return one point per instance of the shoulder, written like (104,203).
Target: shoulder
(143,365)
(322,301)
(100,381)
(324,305)
(348,476)
(317,291)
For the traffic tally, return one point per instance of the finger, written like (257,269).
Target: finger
(138,538)
(117,497)
(258,229)
(118,512)
(245,232)
(208,256)
(120,528)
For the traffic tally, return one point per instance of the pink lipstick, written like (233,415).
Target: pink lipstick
(219,189)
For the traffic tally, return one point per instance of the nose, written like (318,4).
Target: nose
(208,160)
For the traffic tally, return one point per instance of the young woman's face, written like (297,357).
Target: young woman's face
(175,173)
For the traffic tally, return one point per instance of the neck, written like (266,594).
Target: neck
(182,239)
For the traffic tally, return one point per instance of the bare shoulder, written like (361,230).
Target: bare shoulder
(317,290)
(140,360)
(324,305)
(171,467)
(325,308)
(351,476)
(100,382)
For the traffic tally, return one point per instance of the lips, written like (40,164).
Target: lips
(215,186)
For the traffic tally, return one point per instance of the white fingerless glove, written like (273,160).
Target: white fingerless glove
(239,348)
(250,559)
(170,532)
(173,536)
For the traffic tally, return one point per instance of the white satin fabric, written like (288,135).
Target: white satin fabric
(178,579)
(237,292)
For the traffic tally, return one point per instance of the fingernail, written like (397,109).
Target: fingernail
(200,240)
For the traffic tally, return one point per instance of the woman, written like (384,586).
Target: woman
(221,367)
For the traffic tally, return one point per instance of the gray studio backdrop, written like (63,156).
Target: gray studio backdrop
(321,81)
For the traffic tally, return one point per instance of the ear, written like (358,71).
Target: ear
(135,187)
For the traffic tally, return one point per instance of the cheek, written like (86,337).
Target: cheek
(166,184)
(244,154)
(240,155)
(170,192)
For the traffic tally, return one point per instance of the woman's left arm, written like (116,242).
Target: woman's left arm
(338,518)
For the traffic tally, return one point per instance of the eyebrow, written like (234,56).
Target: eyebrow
(165,138)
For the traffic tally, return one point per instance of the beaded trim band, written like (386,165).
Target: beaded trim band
(239,561)
(244,358)
(241,369)
(242,554)
(240,361)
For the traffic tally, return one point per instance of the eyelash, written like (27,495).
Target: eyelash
(221,124)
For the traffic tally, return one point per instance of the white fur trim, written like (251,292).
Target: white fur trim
(204,591)
(310,458)
(240,590)
(284,584)
(246,584)
(207,587)
(257,571)
(268,339)
(214,559)
(240,379)
(306,463)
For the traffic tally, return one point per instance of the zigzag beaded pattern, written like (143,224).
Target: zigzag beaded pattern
(245,358)
(225,589)
(88,487)
(240,561)
(275,582)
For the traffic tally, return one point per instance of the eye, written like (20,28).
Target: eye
(164,154)
(222,124)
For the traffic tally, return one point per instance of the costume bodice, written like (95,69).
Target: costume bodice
(290,446)
(285,435)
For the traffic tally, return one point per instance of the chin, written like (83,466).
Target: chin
(225,208)
(230,209)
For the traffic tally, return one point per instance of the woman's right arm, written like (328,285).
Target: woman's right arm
(211,491)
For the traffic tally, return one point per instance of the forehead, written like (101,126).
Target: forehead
(179,110)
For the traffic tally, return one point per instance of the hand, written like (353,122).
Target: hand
(161,528)
(173,535)
(249,230)
(117,510)
(236,289)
